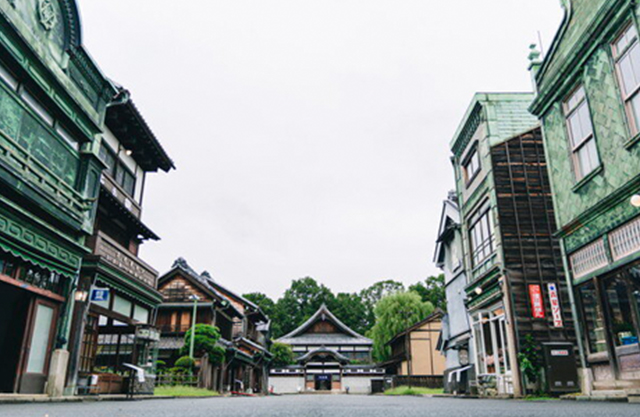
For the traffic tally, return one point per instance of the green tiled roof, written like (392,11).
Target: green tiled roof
(506,114)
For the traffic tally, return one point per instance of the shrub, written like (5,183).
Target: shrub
(185,362)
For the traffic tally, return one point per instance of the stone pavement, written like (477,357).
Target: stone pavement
(321,406)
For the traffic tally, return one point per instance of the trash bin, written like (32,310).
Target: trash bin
(561,370)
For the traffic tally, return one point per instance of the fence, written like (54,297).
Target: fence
(172,379)
(428,381)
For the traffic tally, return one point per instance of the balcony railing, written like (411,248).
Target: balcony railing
(127,201)
(114,254)
(174,328)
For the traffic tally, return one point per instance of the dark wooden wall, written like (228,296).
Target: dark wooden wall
(527,224)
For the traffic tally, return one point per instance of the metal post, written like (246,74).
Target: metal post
(193,326)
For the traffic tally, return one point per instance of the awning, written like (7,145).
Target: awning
(30,256)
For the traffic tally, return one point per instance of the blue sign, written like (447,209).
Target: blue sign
(99,295)
(322,377)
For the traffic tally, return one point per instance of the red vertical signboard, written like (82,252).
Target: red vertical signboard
(537,304)
(555,305)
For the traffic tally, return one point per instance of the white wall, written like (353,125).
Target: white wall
(357,384)
(286,384)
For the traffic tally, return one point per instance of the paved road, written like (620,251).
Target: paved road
(323,406)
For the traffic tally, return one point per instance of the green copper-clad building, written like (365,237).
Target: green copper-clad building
(62,122)
(588,102)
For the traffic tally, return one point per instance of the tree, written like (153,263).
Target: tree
(432,290)
(370,297)
(206,338)
(395,313)
(352,311)
(299,302)
(282,354)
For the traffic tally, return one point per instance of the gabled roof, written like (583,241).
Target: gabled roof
(323,314)
(181,267)
(449,221)
(437,314)
(250,306)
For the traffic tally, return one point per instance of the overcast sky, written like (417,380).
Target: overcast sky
(310,137)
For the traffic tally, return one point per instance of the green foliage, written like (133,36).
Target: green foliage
(530,359)
(185,362)
(351,309)
(432,290)
(282,355)
(183,391)
(160,364)
(299,302)
(394,313)
(206,338)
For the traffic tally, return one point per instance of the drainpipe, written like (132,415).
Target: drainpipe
(512,336)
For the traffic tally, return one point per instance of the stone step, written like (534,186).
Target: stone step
(616,384)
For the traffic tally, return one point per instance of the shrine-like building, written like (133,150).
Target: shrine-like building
(329,357)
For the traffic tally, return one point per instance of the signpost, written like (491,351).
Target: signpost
(537,303)
(556,312)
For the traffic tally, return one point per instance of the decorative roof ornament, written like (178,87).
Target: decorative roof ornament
(47,14)
(181,262)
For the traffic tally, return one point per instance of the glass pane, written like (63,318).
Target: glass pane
(122,306)
(635,110)
(621,309)
(575,129)
(40,340)
(593,319)
(585,120)
(141,314)
(627,74)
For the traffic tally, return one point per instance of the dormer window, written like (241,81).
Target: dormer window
(471,165)
(626,53)
(580,127)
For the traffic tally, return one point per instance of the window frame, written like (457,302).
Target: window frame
(483,214)
(627,97)
(474,153)
(575,148)
(118,168)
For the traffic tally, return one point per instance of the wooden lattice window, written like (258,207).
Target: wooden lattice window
(588,259)
(625,240)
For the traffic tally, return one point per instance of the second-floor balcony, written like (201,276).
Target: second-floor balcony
(118,192)
(117,256)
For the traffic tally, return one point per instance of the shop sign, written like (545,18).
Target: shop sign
(99,295)
(537,304)
(555,305)
(147,333)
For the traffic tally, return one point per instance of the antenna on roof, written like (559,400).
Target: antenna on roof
(540,45)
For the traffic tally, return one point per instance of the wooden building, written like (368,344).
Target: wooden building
(329,357)
(53,104)
(244,328)
(415,354)
(114,330)
(513,263)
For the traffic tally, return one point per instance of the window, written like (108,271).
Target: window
(8,78)
(117,170)
(37,107)
(583,143)
(471,165)
(481,236)
(67,137)
(626,53)
(592,318)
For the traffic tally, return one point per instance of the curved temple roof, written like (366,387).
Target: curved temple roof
(300,335)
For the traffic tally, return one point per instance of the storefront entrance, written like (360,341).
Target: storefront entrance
(611,315)
(26,340)
(492,347)
(323,383)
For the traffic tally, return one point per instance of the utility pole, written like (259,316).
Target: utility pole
(193,324)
